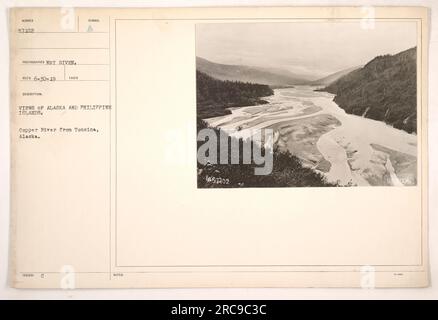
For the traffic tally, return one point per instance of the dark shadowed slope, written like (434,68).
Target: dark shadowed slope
(271,77)
(214,96)
(333,77)
(384,89)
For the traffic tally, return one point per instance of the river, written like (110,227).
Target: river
(348,149)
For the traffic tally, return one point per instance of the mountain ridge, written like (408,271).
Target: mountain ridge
(384,89)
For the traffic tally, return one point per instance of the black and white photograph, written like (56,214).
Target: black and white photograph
(306,104)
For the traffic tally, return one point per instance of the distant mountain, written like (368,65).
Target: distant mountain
(269,76)
(333,77)
(384,89)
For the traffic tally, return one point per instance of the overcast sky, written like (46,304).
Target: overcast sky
(310,48)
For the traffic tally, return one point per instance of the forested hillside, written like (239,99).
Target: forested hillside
(214,96)
(333,77)
(384,89)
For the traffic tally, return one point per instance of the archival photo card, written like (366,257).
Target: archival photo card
(307,104)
